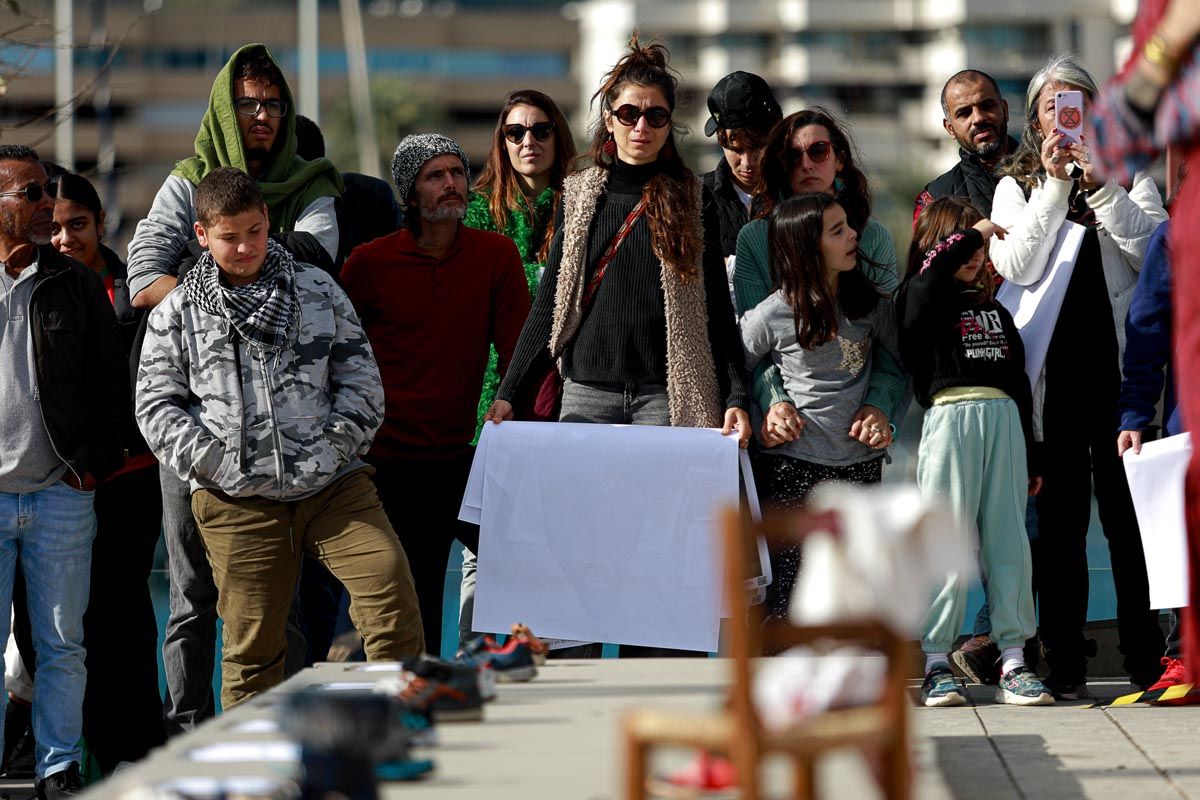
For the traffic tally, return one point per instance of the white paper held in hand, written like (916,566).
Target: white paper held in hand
(1035,307)
(1156,478)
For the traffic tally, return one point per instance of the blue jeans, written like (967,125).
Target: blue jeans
(51,532)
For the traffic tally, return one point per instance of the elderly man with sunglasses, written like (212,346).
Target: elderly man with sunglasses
(64,388)
(251,125)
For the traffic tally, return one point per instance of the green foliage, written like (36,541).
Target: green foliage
(398,108)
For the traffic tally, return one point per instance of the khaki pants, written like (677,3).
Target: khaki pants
(254,547)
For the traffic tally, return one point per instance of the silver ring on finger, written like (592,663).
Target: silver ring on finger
(1054,159)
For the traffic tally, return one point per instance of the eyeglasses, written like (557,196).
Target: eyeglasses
(249,106)
(541,131)
(817,152)
(34,191)
(629,114)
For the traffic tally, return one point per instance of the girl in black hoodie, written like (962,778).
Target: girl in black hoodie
(968,367)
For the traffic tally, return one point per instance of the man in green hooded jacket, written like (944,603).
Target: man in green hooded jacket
(251,125)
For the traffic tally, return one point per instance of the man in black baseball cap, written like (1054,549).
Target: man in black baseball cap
(743,111)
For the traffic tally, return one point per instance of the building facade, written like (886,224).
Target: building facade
(879,64)
(457,60)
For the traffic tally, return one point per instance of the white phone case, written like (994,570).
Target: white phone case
(1068,115)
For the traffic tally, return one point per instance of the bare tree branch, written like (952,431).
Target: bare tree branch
(82,94)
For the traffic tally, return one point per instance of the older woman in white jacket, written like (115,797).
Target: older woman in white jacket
(1048,181)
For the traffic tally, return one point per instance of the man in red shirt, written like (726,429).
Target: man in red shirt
(432,298)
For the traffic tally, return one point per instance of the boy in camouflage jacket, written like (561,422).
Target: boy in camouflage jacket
(257,386)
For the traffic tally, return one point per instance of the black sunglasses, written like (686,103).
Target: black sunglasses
(541,131)
(629,114)
(249,106)
(817,151)
(33,192)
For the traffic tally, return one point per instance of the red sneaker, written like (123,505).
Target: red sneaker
(706,776)
(1175,674)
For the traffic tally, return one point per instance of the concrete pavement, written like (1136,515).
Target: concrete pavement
(557,737)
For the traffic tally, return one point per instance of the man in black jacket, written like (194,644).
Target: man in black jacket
(65,393)
(976,116)
(743,111)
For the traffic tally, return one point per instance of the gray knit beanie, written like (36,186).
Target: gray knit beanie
(412,153)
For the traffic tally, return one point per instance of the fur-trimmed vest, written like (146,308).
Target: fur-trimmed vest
(692,391)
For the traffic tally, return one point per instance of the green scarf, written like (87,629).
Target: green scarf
(526,227)
(289,184)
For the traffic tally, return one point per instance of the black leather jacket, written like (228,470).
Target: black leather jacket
(82,373)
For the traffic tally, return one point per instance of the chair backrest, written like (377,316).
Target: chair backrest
(750,637)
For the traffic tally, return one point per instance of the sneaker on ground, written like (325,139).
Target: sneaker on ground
(1066,690)
(459,675)
(941,689)
(404,769)
(444,702)
(979,660)
(512,662)
(706,776)
(1175,674)
(1020,686)
(64,783)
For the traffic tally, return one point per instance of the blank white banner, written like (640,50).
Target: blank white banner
(603,533)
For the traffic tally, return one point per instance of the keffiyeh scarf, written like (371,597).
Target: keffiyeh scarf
(261,312)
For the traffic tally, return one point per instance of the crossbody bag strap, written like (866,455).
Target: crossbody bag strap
(622,232)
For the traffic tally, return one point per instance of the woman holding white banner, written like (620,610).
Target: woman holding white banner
(634,302)
(1048,183)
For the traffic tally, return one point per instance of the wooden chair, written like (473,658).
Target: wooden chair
(879,730)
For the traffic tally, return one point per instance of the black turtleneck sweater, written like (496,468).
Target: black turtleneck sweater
(623,336)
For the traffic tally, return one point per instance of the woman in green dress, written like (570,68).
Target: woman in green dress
(516,194)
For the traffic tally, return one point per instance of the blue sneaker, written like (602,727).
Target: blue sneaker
(1020,686)
(404,769)
(941,689)
(512,663)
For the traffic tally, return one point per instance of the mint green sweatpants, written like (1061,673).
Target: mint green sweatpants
(972,455)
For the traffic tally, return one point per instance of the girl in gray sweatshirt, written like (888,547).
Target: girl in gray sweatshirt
(818,326)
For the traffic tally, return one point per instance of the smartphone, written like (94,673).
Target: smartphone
(1068,115)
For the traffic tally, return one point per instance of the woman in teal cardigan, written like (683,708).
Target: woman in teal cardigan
(517,194)
(809,152)
(825,165)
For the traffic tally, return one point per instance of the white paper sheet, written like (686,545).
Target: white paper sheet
(257,725)
(1035,307)
(1156,478)
(246,752)
(601,532)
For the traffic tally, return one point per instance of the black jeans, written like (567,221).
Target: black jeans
(1078,459)
(421,497)
(122,709)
